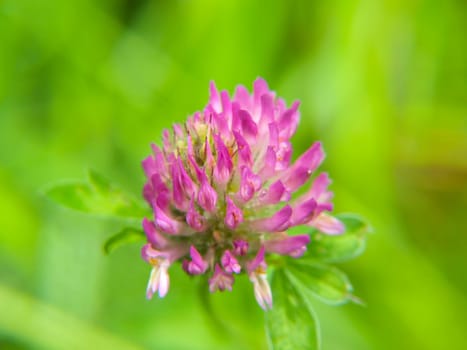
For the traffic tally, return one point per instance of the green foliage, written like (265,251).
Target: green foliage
(97,196)
(312,271)
(291,323)
(328,283)
(339,248)
(125,236)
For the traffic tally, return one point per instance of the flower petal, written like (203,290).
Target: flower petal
(207,197)
(230,263)
(269,166)
(283,155)
(249,184)
(214,99)
(195,219)
(304,212)
(262,291)
(274,194)
(224,164)
(319,188)
(165,223)
(278,222)
(242,97)
(220,280)
(240,247)
(312,158)
(288,121)
(233,215)
(243,148)
(260,87)
(327,224)
(294,246)
(267,108)
(197,265)
(248,126)
(159,281)
(154,237)
(257,262)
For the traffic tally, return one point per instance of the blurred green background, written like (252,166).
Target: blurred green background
(91,83)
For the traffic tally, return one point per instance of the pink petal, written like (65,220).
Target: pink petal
(149,166)
(240,247)
(269,163)
(258,261)
(267,108)
(274,194)
(178,131)
(195,219)
(207,197)
(243,148)
(260,87)
(304,167)
(319,188)
(242,97)
(288,121)
(167,142)
(165,223)
(249,184)
(230,263)
(328,224)
(178,188)
(248,126)
(154,237)
(304,212)
(312,158)
(224,164)
(273,135)
(278,222)
(283,155)
(226,105)
(220,280)
(233,215)
(296,178)
(214,99)
(197,265)
(294,246)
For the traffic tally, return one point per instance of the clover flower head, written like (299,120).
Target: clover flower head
(223,191)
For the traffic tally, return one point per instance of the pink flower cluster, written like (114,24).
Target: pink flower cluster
(222,192)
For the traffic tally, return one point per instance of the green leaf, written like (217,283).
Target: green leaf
(125,236)
(327,283)
(290,324)
(72,195)
(343,247)
(98,196)
(99,182)
(354,223)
